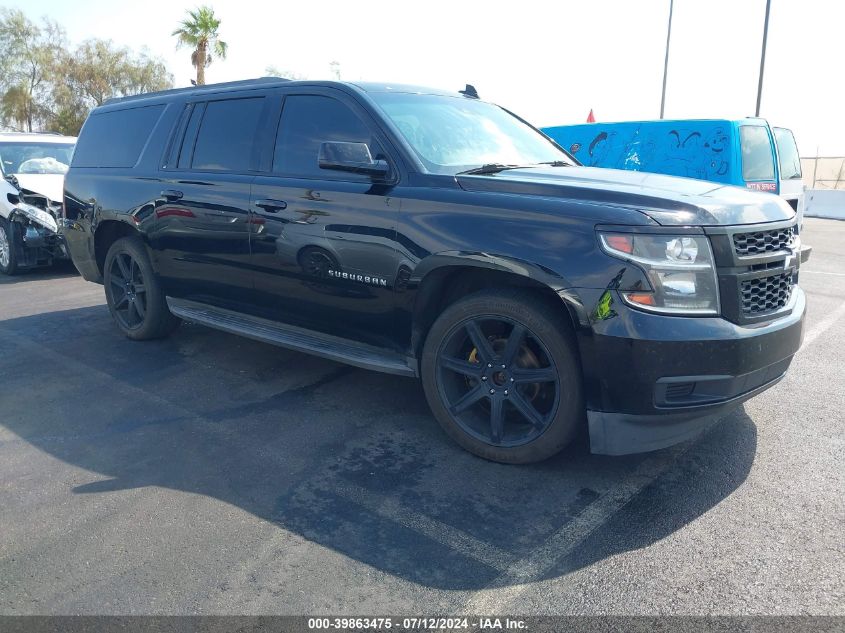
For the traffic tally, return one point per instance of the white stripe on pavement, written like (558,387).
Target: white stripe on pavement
(499,595)
(822,272)
(822,326)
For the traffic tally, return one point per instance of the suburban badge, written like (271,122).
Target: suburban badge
(371,280)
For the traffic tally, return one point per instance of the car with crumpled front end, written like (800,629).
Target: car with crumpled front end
(32,168)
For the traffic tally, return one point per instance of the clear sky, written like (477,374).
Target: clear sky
(549,61)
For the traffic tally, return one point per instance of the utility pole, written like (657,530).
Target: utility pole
(666,60)
(763,57)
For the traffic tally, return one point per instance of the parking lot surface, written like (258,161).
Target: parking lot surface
(212,474)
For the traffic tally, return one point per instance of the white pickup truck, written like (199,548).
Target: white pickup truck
(32,171)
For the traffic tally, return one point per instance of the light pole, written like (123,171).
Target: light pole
(763,57)
(666,60)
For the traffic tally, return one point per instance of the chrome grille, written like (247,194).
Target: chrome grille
(765,294)
(761,242)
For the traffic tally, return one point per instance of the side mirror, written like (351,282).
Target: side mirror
(351,157)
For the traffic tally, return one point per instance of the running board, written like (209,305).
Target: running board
(292,337)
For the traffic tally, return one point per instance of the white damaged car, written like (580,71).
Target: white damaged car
(32,172)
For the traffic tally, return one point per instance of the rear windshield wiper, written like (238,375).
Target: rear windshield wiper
(490,168)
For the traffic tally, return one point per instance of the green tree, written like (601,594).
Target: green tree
(199,31)
(16,108)
(46,86)
(97,71)
(28,56)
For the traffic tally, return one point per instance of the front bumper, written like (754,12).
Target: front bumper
(39,246)
(652,380)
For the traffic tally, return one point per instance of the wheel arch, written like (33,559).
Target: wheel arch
(445,278)
(106,234)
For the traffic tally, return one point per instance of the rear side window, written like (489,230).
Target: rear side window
(116,138)
(309,120)
(788,159)
(226,136)
(757,160)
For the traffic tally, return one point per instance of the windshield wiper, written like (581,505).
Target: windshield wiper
(556,163)
(490,168)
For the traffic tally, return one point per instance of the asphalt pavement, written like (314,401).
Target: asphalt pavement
(211,474)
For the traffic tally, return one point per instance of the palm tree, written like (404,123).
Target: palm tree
(199,31)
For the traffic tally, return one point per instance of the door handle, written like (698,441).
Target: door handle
(171,194)
(271,206)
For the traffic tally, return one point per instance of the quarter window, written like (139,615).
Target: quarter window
(309,120)
(116,138)
(226,137)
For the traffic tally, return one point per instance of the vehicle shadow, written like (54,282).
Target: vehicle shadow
(59,270)
(349,459)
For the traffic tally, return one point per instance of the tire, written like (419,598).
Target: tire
(491,355)
(9,236)
(133,293)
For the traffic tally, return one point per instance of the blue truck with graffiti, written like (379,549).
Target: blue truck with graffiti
(742,152)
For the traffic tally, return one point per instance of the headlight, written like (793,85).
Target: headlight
(680,268)
(38,216)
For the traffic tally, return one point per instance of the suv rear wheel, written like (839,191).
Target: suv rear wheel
(133,293)
(501,374)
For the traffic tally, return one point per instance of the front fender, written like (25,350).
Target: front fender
(426,283)
(489,261)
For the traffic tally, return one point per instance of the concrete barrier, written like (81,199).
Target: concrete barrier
(824,203)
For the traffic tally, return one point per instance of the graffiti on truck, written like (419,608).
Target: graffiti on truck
(695,152)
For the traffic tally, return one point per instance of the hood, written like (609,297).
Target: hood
(50,185)
(668,200)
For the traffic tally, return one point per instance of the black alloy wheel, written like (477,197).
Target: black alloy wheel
(133,292)
(501,373)
(498,381)
(129,293)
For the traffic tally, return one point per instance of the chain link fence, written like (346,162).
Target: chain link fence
(824,172)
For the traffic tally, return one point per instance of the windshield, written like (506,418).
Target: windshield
(452,134)
(35,158)
(790,163)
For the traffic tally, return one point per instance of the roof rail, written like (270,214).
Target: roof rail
(197,89)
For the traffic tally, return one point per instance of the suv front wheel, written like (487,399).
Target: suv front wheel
(501,374)
(133,293)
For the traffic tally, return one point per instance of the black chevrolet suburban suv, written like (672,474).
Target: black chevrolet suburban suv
(432,234)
